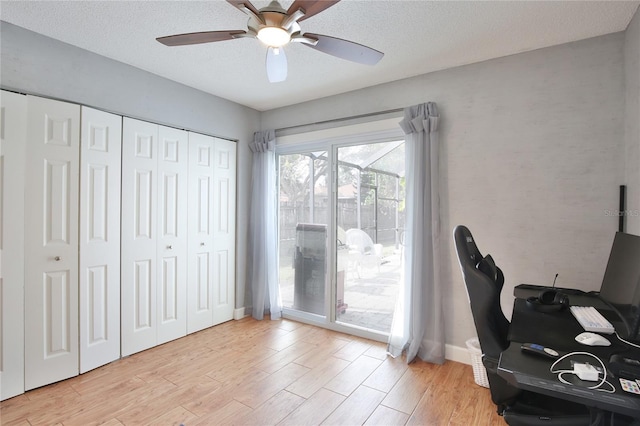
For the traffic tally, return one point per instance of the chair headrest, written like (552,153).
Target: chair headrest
(467,249)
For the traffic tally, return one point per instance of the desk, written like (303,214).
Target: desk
(558,330)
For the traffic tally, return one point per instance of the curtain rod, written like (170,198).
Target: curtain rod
(337,120)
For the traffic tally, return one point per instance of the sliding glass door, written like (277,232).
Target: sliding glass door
(370,223)
(341,222)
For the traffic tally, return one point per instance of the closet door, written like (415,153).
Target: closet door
(172,234)
(13,125)
(200,256)
(224,231)
(101,136)
(139,240)
(51,241)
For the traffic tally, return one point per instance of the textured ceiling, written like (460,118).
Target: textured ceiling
(416,36)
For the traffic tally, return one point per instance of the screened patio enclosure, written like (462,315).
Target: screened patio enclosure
(368,186)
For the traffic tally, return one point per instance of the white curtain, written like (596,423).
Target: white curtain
(418,326)
(263,229)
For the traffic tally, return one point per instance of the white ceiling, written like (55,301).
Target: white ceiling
(416,36)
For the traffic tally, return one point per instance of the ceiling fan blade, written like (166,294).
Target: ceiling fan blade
(276,64)
(245,3)
(310,7)
(345,49)
(197,38)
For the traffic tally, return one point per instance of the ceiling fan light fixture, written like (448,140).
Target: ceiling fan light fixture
(274,36)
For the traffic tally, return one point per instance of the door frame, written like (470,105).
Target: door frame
(330,140)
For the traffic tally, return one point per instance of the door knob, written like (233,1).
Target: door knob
(169,247)
(57,258)
(201,244)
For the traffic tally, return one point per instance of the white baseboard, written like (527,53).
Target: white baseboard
(458,354)
(238,313)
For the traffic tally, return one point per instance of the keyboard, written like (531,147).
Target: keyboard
(591,320)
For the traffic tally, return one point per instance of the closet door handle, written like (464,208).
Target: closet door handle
(201,244)
(57,258)
(169,247)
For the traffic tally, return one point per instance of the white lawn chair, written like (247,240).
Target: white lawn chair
(363,253)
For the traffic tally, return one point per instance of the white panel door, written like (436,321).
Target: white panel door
(173,165)
(224,230)
(138,237)
(100,143)
(13,127)
(200,252)
(51,241)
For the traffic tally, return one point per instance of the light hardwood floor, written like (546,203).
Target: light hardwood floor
(251,372)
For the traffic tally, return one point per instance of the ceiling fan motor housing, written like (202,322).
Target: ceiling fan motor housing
(275,16)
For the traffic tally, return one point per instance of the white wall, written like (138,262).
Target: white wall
(632,123)
(34,64)
(532,156)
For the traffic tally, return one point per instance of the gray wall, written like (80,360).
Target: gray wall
(632,123)
(532,156)
(34,64)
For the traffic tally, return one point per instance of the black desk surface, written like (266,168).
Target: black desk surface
(557,330)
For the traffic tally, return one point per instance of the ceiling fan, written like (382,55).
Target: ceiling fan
(277,27)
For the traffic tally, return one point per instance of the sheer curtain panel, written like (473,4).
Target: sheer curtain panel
(418,326)
(263,242)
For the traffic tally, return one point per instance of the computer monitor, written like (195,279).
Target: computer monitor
(621,283)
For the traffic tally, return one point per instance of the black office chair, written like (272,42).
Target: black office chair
(484,281)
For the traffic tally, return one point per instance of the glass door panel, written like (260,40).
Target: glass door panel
(303,216)
(370,221)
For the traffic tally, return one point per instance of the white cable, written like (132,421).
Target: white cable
(626,341)
(597,386)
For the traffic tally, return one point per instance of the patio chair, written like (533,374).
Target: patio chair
(363,253)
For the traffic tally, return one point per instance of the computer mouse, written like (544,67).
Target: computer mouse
(592,339)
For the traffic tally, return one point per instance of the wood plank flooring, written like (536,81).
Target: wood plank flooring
(251,372)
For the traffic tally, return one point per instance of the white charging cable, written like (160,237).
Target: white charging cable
(626,341)
(597,386)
